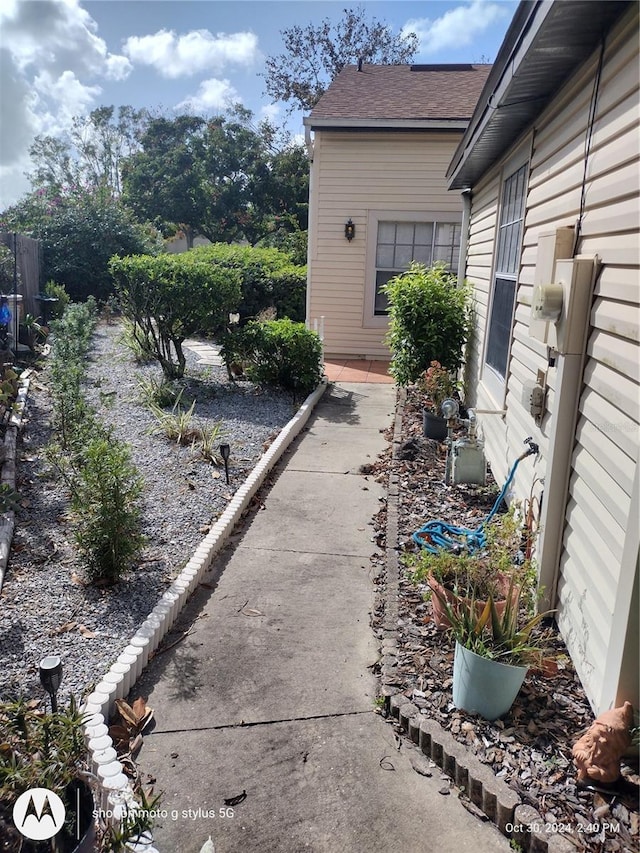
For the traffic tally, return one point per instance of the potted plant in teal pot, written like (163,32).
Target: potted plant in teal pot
(437,384)
(493,653)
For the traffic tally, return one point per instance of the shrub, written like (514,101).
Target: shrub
(105,488)
(268,277)
(103,482)
(277,353)
(293,243)
(72,336)
(169,297)
(58,291)
(429,321)
(80,229)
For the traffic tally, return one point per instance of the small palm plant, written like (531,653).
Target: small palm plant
(493,653)
(495,634)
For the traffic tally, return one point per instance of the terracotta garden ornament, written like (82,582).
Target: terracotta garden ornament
(597,753)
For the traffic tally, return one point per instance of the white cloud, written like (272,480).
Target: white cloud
(51,65)
(57,35)
(70,96)
(178,56)
(457,27)
(117,67)
(18,116)
(212,94)
(272,112)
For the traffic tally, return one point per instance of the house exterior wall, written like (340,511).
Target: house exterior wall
(358,175)
(597,558)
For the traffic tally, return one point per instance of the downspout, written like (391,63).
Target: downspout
(311,221)
(464,235)
(308,142)
(467,379)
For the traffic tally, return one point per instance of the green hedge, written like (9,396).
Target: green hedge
(167,298)
(268,278)
(429,320)
(277,353)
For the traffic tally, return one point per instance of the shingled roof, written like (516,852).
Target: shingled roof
(400,94)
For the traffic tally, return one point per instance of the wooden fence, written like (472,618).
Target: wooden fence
(26,252)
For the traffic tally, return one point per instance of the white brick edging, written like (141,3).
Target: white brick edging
(115,787)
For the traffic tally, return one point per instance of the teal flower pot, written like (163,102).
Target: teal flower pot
(483,686)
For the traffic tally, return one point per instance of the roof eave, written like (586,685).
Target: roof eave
(506,107)
(455,124)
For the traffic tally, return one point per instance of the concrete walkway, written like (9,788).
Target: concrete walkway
(336,370)
(270,693)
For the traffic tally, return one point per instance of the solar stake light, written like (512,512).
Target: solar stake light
(225,452)
(51,678)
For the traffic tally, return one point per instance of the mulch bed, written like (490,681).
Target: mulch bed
(529,748)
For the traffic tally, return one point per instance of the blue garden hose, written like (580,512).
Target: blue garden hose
(437,535)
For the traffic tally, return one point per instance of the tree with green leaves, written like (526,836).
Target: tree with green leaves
(315,54)
(80,230)
(92,152)
(165,182)
(221,178)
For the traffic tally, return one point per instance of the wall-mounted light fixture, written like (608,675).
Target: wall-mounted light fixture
(349,230)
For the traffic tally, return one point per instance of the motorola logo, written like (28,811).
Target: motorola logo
(38,814)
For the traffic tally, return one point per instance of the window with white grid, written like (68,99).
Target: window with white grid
(506,272)
(400,243)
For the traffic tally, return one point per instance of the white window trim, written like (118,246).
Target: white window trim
(370,319)
(494,384)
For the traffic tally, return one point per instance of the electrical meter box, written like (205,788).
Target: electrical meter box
(467,463)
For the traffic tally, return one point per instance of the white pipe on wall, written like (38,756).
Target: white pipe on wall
(464,235)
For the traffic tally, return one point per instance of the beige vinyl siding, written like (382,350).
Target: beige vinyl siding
(353,174)
(479,263)
(603,476)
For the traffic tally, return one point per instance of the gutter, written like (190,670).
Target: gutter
(523,30)
(454,124)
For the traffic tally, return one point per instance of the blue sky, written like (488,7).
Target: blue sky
(60,58)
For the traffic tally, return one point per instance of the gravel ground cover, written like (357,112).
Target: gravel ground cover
(45,606)
(530,748)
